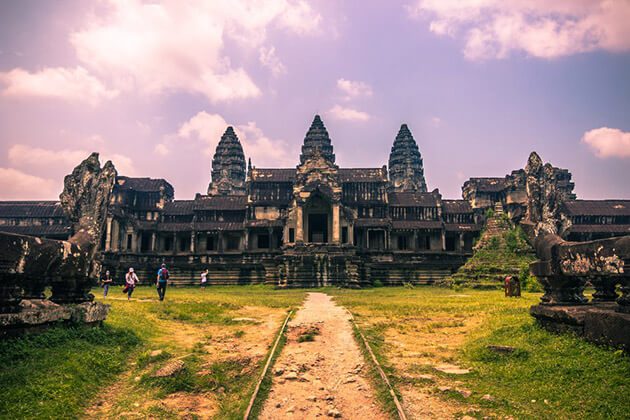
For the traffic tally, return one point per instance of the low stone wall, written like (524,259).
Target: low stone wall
(38,314)
(305,265)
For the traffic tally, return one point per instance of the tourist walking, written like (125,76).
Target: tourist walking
(131,280)
(106,281)
(162,279)
(204,278)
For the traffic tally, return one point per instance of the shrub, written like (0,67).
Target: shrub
(377,283)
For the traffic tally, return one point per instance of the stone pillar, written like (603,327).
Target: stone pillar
(351,233)
(220,242)
(174,243)
(193,242)
(246,240)
(415,240)
(115,236)
(270,232)
(108,234)
(336,229)
(153,242)
(299,224)
(443,236)
(367,238)
(461,241)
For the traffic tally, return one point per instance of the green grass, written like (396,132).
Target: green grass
(61,372)
(54,374)
(577,379)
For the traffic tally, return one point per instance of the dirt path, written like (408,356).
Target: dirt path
(323,377)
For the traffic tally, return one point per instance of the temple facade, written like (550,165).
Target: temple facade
(316,224)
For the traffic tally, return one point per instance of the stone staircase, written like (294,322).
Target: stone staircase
(496,225)
(492,259)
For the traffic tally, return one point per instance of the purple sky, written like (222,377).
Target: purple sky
(153,85)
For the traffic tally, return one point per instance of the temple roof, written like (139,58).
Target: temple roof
(362,174)
(598,207)
(179,207)
(412,199)
(41,230)
(317,139)
(272,174)
(345,175)
(27,209)
(456,206)
(220,202)
(143,184)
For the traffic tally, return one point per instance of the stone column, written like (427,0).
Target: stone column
(415,240)
(351,233)
(367,238)
(270,231)
(443,236)
(153,242)
(336,229)
(220,242)
(108,234)
(461,241)
(299,225)
(115,236)
(193,242)
(174,243)
(246,239)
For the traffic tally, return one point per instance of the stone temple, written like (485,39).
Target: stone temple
(313,225)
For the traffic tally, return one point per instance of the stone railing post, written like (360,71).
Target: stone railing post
(623,301)
(604,288)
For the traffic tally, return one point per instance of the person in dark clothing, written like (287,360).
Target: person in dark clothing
(162,280)
(106,281)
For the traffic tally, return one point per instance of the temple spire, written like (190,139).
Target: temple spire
(406,172)
(228,166)
(317,139)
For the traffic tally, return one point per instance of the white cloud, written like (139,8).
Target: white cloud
(62,162)
(540,28)
(172,45)
(353,88)
(263,150)
(18,185)
(608,142)
(436,122)
(75,85)
(269,59)
(161,149)
(348,114)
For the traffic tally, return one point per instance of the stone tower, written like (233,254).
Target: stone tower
(317,139)
(228,166)
(406,172)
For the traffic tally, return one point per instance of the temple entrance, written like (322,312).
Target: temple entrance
(317,219)
(318,228)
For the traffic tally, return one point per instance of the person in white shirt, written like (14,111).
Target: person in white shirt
(131,279)
(204,278)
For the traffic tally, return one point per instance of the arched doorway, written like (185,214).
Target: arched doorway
(318,219)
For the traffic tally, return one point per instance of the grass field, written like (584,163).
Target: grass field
(222,335)
(547,376)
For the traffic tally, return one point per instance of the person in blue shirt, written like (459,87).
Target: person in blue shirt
(162,280)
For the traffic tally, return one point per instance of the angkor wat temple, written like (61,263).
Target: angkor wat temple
(313,225)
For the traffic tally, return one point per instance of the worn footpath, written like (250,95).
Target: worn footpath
(321,371)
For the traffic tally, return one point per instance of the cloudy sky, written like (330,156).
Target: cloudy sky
(152,86)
